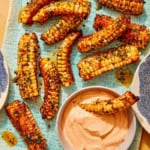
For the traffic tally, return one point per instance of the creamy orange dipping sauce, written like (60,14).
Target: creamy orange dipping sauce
(87,131)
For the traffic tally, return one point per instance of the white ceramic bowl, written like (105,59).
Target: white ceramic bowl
(132,121)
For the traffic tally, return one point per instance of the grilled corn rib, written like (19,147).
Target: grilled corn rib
(111,106)
(135,34)
(63,59)
(103,37)
(27,12)
(105,61)
(132,7)
(65,25)
(28,52)
(52,84)
(61,8)
(23,120)
(61,29)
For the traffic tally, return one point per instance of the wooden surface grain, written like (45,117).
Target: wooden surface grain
(4,7)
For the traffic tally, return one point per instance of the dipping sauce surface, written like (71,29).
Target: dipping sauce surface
(87,131)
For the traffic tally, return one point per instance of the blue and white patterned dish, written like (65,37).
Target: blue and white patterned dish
(141,88)
(4,80)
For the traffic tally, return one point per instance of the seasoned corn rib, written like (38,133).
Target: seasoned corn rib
(65,25)
(61,8)
(61,29)
(27,12)
(23,120)
(52,86)
(28,52)
(111,106)
(105,61)
(135,34)
(63,59)
(132,7)
(103,37)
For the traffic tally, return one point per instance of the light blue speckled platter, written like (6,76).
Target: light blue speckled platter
(15,31)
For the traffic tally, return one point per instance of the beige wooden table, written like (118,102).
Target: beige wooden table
(145,141)
(3,18)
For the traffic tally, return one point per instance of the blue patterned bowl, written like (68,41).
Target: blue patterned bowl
(141,88)
(4,80)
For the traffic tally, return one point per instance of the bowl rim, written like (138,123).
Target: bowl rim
(132,127)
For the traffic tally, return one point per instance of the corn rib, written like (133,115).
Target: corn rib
(135,34)
(103,37)
(132,7)
(65,25)
(61,29)
(27,12)
(23,120)
(63,59)
(105,61)
(61,8)
(111,106)
(28,52)
(52,86)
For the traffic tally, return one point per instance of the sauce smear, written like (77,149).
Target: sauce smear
(124,76)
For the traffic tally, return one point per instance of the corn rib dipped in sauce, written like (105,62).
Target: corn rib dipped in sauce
(111,106)
(96,132)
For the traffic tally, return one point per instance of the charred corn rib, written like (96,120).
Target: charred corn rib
(105,61)
(135,34)
(61,8)
(23,120)
(111,106)
(27,12)
(103,37)
(49,73)
(132,7)
(27,66)
(61,29)
(63,59)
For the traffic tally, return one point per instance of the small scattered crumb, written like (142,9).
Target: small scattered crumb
(9,138)
(49,126)
(98,7)
(83,25)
